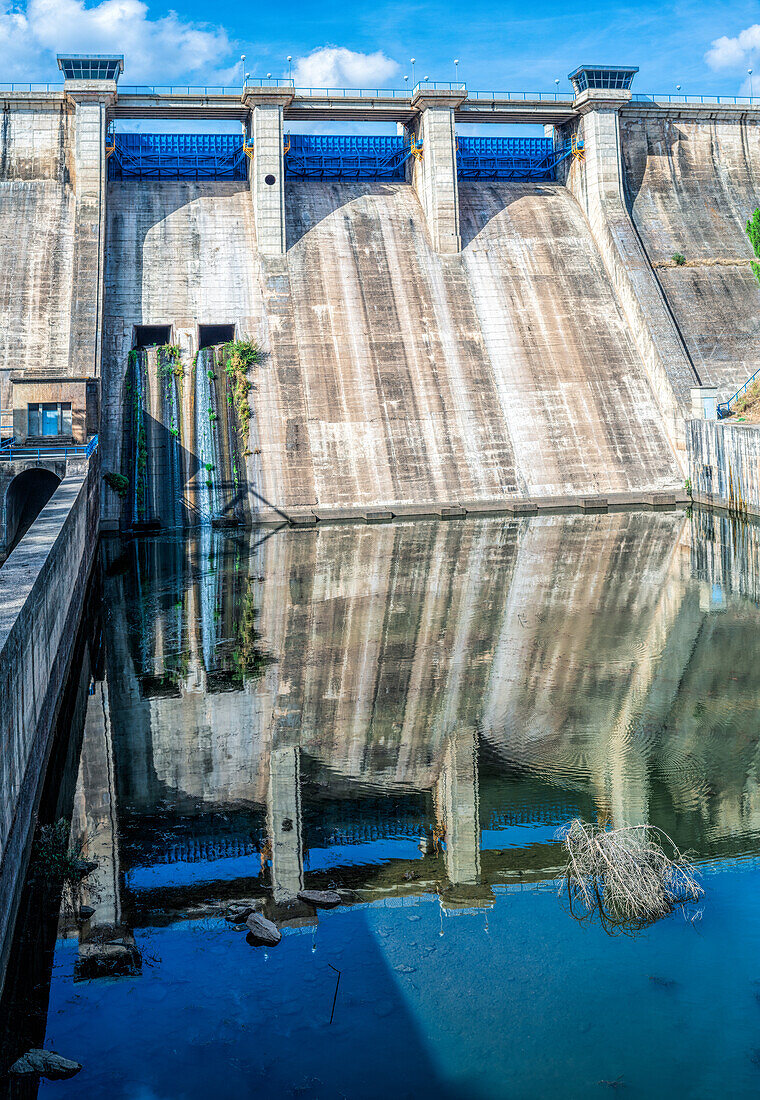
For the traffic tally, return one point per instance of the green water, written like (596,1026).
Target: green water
(409,712)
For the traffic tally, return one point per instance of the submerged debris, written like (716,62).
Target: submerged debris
(320,899)
(624,876)
(44,1063)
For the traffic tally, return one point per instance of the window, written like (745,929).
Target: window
(48,418)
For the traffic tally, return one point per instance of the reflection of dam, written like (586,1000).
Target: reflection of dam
(424,692)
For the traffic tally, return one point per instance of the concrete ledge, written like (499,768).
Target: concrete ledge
(720,504)
(42,587)
(504,506)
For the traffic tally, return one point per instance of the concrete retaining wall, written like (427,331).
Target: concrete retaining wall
(42,586)
(724,465)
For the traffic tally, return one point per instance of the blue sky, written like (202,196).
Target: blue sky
(500,46)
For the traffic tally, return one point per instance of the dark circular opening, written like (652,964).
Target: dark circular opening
(269,179)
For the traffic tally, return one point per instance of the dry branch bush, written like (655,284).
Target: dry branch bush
(624,876)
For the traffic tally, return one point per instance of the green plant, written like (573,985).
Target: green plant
(118,482)
(54,859)
(678,259)
(687,486)
(753,232)
(238,357)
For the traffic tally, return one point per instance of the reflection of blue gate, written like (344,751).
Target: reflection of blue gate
(177,157)
(325,156)
(485,158)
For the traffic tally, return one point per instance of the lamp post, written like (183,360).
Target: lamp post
(242,66)
(749,74)
(411,59)
(456,70)
(290,67)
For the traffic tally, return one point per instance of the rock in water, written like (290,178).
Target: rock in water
(44,1063)
(322,899)
(264,932)
(238,915)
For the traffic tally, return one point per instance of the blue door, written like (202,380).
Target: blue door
(50,419)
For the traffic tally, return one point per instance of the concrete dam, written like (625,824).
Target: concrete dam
(436,325)
(427,341)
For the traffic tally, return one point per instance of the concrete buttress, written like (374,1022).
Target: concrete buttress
(434,176)
(595,179)
(267,173)
(91,100)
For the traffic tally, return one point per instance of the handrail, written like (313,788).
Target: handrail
(726,405)
(8,451)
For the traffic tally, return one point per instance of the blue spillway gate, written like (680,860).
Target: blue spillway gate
(177,157)
(326,156)
(322,156)
(485,158)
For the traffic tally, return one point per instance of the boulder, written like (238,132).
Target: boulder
(44,1063)
(85,912)
(321,899)
(238,914)
(263,932)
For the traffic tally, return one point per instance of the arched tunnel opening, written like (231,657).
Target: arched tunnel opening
(27,495)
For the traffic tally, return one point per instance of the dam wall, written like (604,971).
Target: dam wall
(724,465)
(691,183)
(393,376)
(42,587)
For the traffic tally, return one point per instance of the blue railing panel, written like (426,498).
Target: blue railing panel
(354,156)
(177,157)
(507,158)
(9,450)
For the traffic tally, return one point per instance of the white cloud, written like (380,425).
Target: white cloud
(732,53)
(156,50)
(337,67)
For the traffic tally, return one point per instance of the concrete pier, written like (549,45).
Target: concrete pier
(267,173)
(434,174)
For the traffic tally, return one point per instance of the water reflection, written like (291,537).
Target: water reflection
(274,704)
(409,712)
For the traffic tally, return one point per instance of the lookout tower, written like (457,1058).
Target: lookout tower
(602,78)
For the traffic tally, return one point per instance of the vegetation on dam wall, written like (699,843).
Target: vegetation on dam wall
(186,436)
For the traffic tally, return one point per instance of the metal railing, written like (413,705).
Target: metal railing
(374,93)
(180,89)
(353,93)
(10,451)
(27,86)
(746,101)
(522,97)
(724,407)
